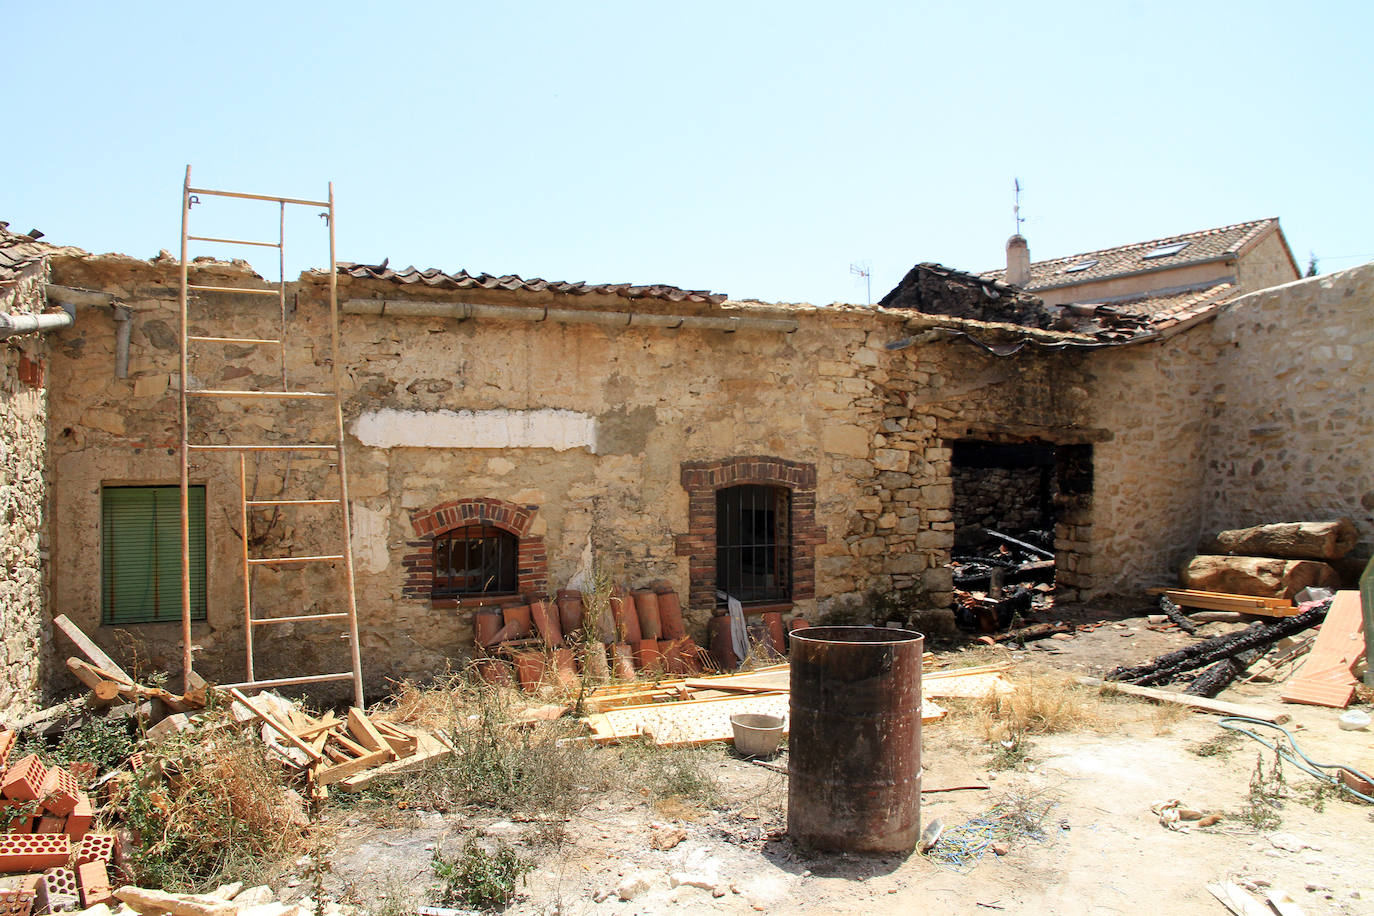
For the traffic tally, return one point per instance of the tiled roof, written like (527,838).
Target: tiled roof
(19,254)
(938,290)
(1206,245)
(464,280)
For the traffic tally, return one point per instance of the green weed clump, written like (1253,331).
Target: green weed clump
(480,877)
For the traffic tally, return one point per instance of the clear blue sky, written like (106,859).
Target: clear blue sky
(753,149)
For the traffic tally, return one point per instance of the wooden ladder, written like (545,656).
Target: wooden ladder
(339,558)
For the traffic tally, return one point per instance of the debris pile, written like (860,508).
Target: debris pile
(983,601)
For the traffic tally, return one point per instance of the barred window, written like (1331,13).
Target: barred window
(753,542)
(475,560)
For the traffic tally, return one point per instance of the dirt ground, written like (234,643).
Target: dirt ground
(1099,850)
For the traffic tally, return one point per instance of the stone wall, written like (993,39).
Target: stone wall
(1292,406)
(588,440)
(1003,499)
(23,518)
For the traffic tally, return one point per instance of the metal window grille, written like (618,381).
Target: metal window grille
(475,560)
(753,542)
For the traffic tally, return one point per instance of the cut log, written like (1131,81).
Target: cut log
(1170,665)
(1290,540)
(1257,575)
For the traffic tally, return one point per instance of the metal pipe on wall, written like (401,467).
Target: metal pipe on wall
(124,326)
(14,325)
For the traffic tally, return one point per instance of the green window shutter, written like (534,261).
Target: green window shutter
(141,554)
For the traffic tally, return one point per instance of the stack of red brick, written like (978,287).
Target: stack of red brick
(48,820)
(641,632)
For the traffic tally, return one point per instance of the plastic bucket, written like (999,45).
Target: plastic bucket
(757,734)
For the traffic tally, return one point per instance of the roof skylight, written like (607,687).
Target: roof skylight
(1080,266)
(1164,251)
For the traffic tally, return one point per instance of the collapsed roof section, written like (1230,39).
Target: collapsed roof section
(1003,318)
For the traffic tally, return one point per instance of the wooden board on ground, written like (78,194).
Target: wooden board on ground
(1327,677)
(697,721)
(1202,704)
(1222,601)
(430,749)
(975,686)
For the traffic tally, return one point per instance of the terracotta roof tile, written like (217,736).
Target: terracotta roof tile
(464,280)
(19,255)
(1200,246)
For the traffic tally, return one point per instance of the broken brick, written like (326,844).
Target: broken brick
(24,780)
(79,821)
(60,792)
(16,902)
(96,847)
(94,880)
(51,823)
(28,851)
(6,745)
(57,891)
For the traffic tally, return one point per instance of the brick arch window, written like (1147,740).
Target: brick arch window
(751,525)
(474,549)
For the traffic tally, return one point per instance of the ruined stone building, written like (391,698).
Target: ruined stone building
(812,458)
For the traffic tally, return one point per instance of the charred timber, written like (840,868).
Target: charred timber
(1168,666)
(1177,617)
(1218,677)
(1033,632)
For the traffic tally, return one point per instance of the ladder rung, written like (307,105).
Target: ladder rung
(292,502)
(234,289)
(237,340)
(287,681)
(262,448)
(207,238)
(225,393)
(260,621)
(263,561)
(240,194)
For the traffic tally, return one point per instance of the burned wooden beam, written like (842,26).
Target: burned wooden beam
(1218,677)
(1038,551)
(1176,615)
(1165,667)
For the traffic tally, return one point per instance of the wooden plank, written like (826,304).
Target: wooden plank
(90,649)
(431,749)
(351,747)
(1202,704)
(326,775)
(1328,676)
(319,728)
(276,726)
(362,729)
(695,722)
(402,742)
(1221,601)
(1235,899)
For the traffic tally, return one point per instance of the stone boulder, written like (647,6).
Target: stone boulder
(1260,576)
(1292,540)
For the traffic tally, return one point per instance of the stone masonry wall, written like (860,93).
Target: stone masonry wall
(585,439)
(1292,407)
(23,525)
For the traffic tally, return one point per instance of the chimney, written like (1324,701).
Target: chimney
(1018,261)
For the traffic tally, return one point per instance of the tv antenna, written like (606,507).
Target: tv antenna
(1016,209)
(864,271)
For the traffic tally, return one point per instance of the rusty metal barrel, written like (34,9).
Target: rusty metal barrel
(854,751)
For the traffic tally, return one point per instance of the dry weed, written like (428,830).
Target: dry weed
(1043,702)
(221,812)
